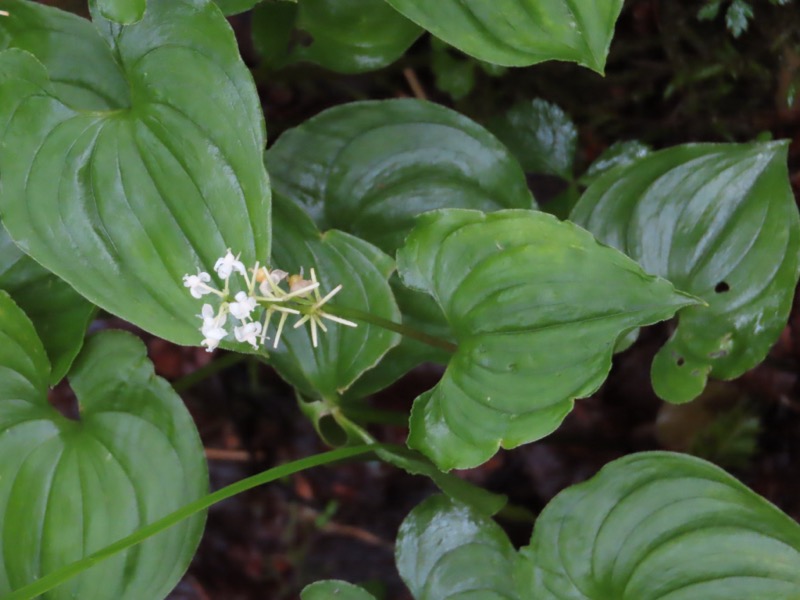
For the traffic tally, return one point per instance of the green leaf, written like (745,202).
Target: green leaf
(69,488)
(737,18)
(536,306)
(348,36)
(84,76)
(124,12)
(720,222)
(617,154)
(518,33)
(660,525)
(344,353)
(446,550)
(369,168)
(122,202)
(454,75)
(234,7)
(340,590)
(59,314)
(649,526)
(541,135)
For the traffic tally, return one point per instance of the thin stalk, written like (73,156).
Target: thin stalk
(360,315)
(62,574)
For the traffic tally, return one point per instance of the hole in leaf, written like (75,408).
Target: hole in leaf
(680,362)
(722,287)
(63,399)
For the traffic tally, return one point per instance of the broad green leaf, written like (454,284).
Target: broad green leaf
(59,314)
(344,353)
(617,154)
(649,526)
(518,33)
(348,36)
(657,525)
(541,135)
(83,73)
(720,222)
(69,488)
(536,306)
(369,168)
(445,550)
(337,590)
(124,12)
(122,202)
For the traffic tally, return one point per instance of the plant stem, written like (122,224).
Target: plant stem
(62,574)
(360,315)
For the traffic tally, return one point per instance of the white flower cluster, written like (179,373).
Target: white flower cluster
(262,291)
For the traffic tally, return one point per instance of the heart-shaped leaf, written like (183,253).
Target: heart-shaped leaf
(369,168)
(447,550)
(340,590)
(69,488)
(720,222)
(649,526)
(343,353)
(58,312)
(536,306)
(348,36)
(122,202)
(659,525)
(518,33)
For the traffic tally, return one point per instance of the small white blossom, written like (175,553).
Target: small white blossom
(248,333)
(228,264)
(198,284)
(243,306)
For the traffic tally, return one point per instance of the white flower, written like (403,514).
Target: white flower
(228,264)
(248,333)
(243,306)
(198,284)
(212,328)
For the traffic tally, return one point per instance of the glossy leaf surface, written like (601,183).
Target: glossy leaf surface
(344,353)
(536,306)
(348,36)
(657,526)
(59,314)
(650,526)
(720,222)
(446,550)
(85,77)
(68,488)
(121,202)
(369,168)
(616,155)
(541,135)
(338,590)
(518,33)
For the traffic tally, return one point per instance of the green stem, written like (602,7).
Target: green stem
(62,574)
(360,315)
(219,364)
